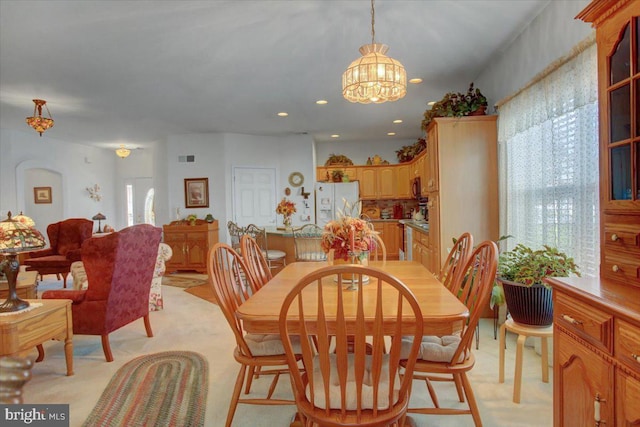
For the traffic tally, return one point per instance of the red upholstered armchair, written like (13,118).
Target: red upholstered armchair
(119,269)
(65,241)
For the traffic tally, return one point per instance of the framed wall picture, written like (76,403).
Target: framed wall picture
(42,194)
(196,192)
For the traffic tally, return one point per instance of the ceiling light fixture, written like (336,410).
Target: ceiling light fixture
(415,80)
(39,123)
(123,152)
(322,102)
(374,77)
(391,133)
(335,135)
(283,114)
(396,121)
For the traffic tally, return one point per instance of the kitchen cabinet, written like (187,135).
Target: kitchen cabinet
(323,173)
(190,244)
(377,182)
(617,35)
(461,182)
(403,183)
(390,234)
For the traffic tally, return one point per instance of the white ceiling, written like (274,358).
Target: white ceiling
(134,72)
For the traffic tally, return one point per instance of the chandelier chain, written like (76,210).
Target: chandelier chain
(373,23)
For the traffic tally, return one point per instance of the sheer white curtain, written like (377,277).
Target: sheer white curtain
(548,139)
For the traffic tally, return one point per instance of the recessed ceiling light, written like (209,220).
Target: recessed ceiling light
(283,114)
(397,121)
(391,133)
(322,102)
(335,135)
(430,103)
(416,80)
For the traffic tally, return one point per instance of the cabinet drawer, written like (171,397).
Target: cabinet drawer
(621,267)
(627,343)
(589,323)
(423,238)
(622,237)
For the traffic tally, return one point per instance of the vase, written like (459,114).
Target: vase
(286,221)
(361,259)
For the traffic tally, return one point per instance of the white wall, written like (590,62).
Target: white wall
(550,36)
(80,166)
(216,155)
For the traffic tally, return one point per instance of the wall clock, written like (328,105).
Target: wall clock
(296,179)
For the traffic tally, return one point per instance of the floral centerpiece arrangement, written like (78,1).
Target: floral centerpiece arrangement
(286,208)
(348,235)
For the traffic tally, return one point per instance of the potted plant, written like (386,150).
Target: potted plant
(521,271)
(337,175)
(338,159)
(456,104)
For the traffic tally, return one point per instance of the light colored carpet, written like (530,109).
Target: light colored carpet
(194,324)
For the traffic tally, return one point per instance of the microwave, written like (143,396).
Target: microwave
(416,188)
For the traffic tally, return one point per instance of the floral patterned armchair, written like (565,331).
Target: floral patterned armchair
(80,281)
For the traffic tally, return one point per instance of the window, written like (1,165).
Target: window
(548,139)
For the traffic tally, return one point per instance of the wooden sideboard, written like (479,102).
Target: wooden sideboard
(596,360)
(190,244)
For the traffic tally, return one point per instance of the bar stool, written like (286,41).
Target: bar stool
(524,331)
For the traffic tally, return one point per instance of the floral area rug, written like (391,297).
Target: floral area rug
(161,389)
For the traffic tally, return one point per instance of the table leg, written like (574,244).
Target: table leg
(545,360)
(68,354)
(517,379)
(503,333)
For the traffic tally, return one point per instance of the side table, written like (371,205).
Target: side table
(25,286)
(21,332)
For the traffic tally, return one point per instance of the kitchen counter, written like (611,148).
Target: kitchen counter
(418,225)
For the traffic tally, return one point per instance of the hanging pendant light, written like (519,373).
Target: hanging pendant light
(123,152)
(39,123)
(374,77)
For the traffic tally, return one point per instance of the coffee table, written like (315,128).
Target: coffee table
(25,286)
(21,332)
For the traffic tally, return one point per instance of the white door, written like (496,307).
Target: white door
(254,196)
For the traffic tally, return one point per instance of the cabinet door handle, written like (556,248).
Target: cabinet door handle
(596,410)
(615,268)
(614,237)
(571,320)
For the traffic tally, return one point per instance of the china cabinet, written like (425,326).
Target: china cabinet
(597,320)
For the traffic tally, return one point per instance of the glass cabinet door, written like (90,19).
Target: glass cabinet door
(623,96)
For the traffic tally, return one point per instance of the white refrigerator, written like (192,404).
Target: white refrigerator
(330,197)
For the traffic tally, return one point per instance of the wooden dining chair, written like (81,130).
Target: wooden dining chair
(307,241)
(275,258)
(259,270)
(228,275)
(449,358)
(378,251)
(337,387)
(452,268)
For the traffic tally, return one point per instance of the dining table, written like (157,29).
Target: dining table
(442,312)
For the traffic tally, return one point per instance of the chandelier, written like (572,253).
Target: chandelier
(39,123)
(123,152)
(374,77)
